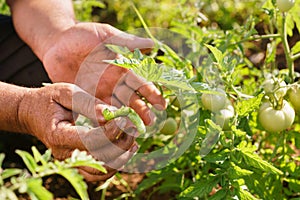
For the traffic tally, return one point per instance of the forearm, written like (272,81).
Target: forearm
(39,22)
(10,99)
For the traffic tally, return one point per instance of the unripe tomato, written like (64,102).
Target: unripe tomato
(222,118)
(285,5)
(294,96)
(169,127)
(214,102)
(274,120)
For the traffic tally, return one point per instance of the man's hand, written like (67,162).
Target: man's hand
(77,54)
(48,114)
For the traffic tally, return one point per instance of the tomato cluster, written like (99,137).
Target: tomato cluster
(277,112)
(222,109)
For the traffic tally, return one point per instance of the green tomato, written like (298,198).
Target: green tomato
(214,102)
(294,96)
(274,120)
(285,5)
(222,118)
(169,127)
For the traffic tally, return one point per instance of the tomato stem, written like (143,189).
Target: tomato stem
(295,57)
(287,50)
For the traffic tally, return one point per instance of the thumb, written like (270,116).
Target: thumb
(77,100)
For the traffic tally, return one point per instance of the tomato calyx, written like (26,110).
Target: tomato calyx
(275,90)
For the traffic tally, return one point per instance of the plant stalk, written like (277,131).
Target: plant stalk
(295,57)
(287,50)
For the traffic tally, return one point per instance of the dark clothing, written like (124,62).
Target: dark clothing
(19,66)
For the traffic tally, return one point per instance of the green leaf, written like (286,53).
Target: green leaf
(175,78)
(201,87)
(211,138)
(245,195)
(124,62)
(37,155)
(7,173)
(235,172)
(201,187)
(169,52)
(219,156)
(219,195)
(243,108)
(81,158)
(148,182)
(118,49)
(2,156)
(7,194)
(28,160)
(209,142)
(218,55)
(47,156)
(36,190)
(296,48)
(252,159)
(76,180)
(149,70)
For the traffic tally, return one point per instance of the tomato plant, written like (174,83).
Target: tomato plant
(234,154)
(247,48)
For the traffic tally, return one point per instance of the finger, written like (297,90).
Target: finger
(94,177)
(96,138)
(123,159)
(84,138)
(68,136)
(123,93)
(130,41)
(115,102)
(142,109)
(113,151)
(74,98)
(146,89)
(108,80)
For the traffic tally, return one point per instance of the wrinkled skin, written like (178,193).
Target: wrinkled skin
(46,113)
(74,58)
(73,52)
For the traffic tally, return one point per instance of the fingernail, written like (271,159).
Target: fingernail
(131,131)
(161,106)
(134,148)
(152,117)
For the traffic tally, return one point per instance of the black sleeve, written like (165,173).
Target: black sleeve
(18,64)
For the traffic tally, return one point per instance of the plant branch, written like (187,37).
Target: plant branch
(287,50)
(295,56)
(259,37)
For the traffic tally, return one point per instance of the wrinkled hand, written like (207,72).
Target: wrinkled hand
(47,114)
(77,57)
